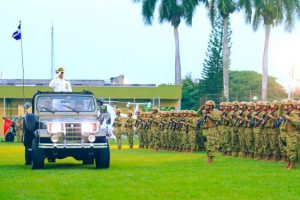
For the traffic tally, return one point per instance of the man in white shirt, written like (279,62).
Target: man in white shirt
(59,84)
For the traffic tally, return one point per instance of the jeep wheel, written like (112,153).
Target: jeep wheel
(9,137)
(37,155)
(28,155)
(102,158)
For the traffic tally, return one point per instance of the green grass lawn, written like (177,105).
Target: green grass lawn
(146,174)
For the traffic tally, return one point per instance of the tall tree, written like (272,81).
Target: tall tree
(212,73)
(171,11)
(190,93)
(224,8)
(271,13)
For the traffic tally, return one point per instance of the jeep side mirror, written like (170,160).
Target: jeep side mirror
(27,105)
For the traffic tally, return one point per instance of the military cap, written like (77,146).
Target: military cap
(60,70)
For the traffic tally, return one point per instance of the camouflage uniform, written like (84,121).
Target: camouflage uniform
(139,129)
(290,125)
(118,128)
(129,129)
(19,130)
(155,128)
(210,131)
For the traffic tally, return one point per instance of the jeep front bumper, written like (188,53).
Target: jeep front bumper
(73,146)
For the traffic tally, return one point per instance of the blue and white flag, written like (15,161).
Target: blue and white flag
(17,34)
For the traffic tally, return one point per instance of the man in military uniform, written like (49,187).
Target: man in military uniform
(210,131)
(274,132)
(235,143)
(118,128)
(155,128)
(103,114)
(129,125)
(249,129)
(19,130)
(139,127)
(266,130)
(257,117)
(222,129)
(59,84)
(290,125)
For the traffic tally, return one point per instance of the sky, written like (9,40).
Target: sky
(99,39)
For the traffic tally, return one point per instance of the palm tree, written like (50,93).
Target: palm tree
(224,8)
(171,11)
(271,13)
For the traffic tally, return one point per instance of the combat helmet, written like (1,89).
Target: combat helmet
(235,103)
(210,103)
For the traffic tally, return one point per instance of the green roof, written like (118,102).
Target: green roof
(122,92)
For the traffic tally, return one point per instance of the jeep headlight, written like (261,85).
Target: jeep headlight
(55,128)
(92,138)
(89,128)
(54,138)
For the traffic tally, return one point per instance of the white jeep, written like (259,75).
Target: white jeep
(64,124)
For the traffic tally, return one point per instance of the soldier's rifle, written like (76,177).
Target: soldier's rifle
(202,121)
(137,123)
(267,119)
(239,118)
(279,121)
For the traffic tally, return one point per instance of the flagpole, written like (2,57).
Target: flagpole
(22,63)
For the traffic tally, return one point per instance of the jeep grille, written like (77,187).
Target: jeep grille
(73,133)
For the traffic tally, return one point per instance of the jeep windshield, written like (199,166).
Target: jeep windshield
(65,103)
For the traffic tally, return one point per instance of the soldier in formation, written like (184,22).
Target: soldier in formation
(260,130)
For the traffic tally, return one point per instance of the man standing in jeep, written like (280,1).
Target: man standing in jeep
(59,84)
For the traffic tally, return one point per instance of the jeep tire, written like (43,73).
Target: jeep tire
(9,137)
(102,158)
(28,155)
(37,155)
(27,137)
